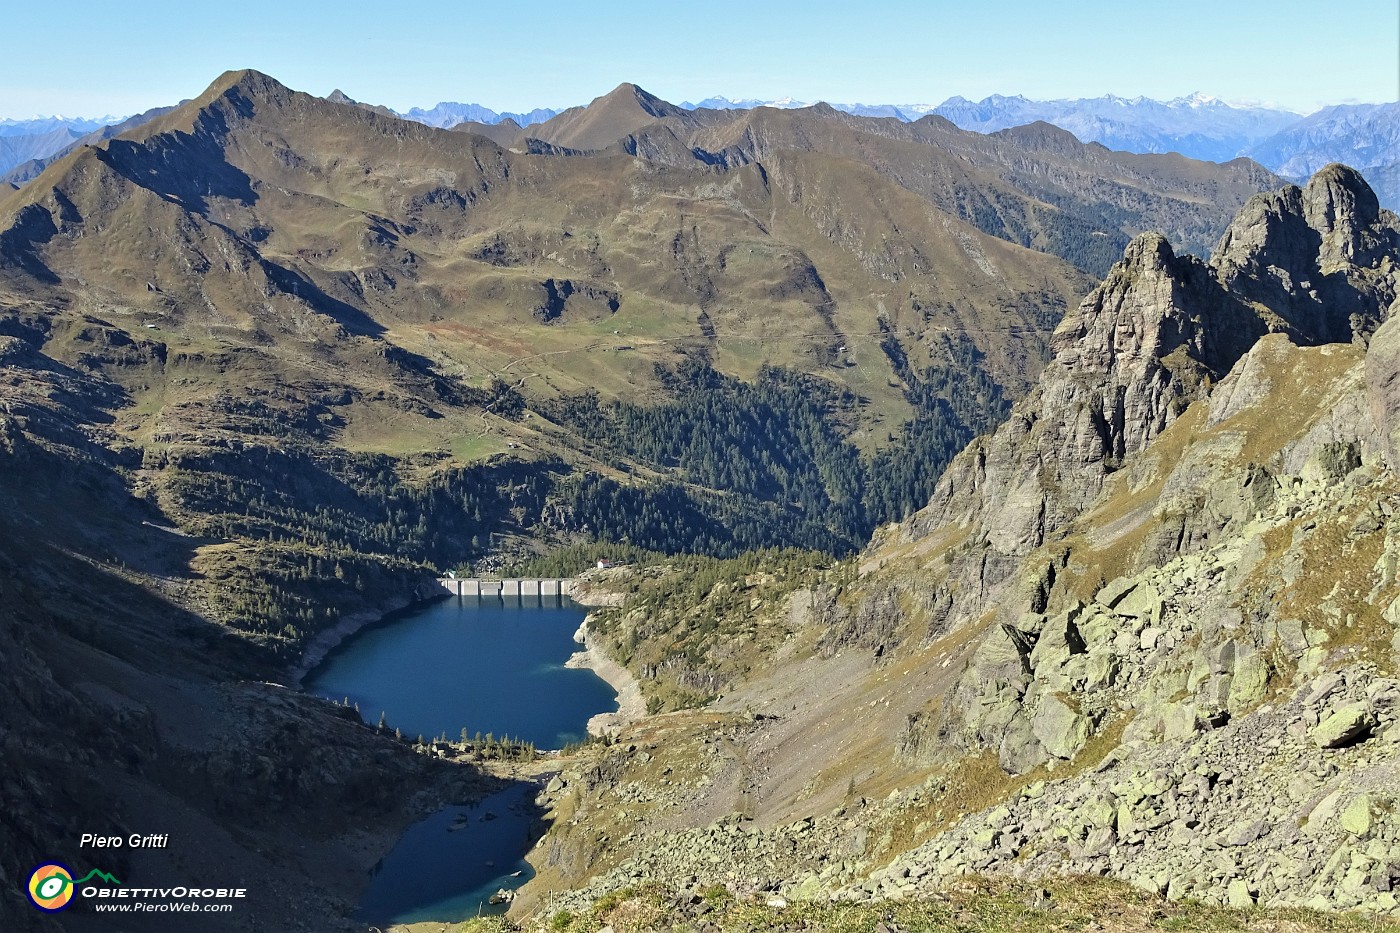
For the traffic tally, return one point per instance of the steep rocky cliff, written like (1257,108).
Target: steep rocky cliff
(1296,269)
(1148,628)
(1153,337)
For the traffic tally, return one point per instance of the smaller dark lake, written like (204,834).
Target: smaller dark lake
(485,666)
(446,867)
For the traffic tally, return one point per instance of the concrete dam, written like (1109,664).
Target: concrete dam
(544,588)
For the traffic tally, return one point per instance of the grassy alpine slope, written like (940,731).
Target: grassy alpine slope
(1145,629)
(415,323)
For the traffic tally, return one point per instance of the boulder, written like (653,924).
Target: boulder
(1112,594)
(1347,725)
(1322,688)
(1020,750)
(1100,669)
(1242,832)
(1003,655)
(1144,602)
(1098,627)
(1330,463)
(1323,812)
(1250,681)
(1059,638)
(1061,729)
(1237,894)
(1356,818)
(1179,721)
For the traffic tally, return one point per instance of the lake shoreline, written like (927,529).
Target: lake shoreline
(631,705)
(329,639)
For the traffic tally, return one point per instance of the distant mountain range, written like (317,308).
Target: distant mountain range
(448,114)
(25,147)
(23,157)
(1366,136)
(39,125)
(23,141)
(1358,134)
(1199,126)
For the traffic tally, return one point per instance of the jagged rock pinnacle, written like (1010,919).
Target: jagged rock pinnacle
(1342,208)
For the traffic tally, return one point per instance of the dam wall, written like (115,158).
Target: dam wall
(524,588)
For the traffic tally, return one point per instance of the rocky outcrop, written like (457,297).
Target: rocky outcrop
(1195,571)
(1166,596)
(1157,334)
(1319,259)
(1187,519)
(1345,212)
(1383,386)
(1187,642)
(1257,812)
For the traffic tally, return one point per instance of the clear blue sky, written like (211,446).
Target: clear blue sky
(91,58)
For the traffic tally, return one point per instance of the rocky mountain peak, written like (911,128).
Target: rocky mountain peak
(1270,226)
(1134,318)
(1337,206)
(1155,335)
(1127,361)
(1342,208)
(1151,249)
(1303,253)
(248,83)
(630,94)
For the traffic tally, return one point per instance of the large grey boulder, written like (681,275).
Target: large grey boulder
(1062,729)
(1344,726)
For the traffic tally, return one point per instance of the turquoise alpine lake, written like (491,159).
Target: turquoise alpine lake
(487,666)
(484,665)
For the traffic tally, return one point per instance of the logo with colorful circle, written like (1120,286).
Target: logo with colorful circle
(51,885)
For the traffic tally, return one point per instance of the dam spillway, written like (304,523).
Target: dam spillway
(522,588)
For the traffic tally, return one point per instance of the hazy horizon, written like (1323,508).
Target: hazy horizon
(696,98)
(555,55)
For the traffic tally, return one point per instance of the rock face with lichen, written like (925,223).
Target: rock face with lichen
(1288,806)
(1157,334)
(1150,627)
(1185,537)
